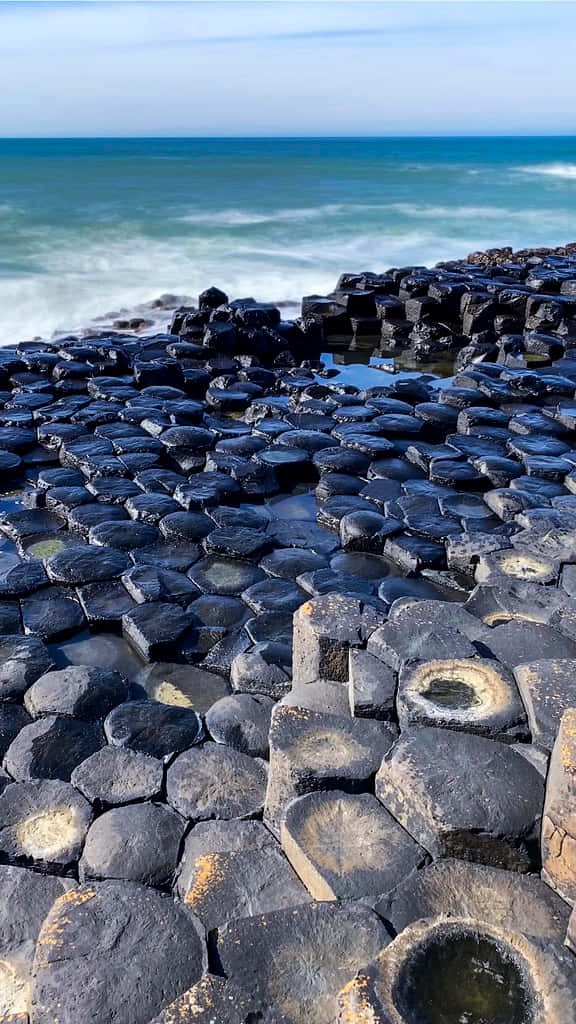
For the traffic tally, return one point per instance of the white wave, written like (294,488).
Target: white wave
(554,170)
(241,218)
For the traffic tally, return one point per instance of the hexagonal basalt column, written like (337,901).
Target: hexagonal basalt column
(469,694)
(559,820)
(448,971)
(461,795)
(324,631)
(311,751)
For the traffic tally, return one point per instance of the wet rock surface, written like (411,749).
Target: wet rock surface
(287,657)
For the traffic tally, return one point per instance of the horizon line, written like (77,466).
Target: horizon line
(263,138)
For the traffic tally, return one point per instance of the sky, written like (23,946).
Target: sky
(287,68)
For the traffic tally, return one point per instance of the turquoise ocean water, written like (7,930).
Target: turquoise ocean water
(89,226)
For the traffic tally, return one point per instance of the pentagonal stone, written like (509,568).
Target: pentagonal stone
(398,642)
(104,604)
(216,782)
(227,577)
(559,821)
(30,523)
(52,614)
(98,956)
(153,728)
(371,687)
(237,542)
(519,642)
(473,695)
(515,600)
(273,595)
(124,536)
(265,669)
(150,508)
(79,691)
(25,899)
(311,751)
(87,565)
(288,563)
(346,846)
(43,823)
(425,614)
(155,630)
(83,518)
(269,957)
(324,631)
(329,698)
(241,721)
(115,775)
(458,888)
(547,688)
(146,583)
(51,747)
(490,814)
(22,661)
(233,869)
(138,842)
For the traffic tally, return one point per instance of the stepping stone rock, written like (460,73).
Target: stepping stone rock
(153,728)
(22,661)
(78,691)
(311,751)
(116,775)
(265,670)
(458,888)
(241,721)
(51,747)
(473,695)
(184,686)
(519,642)
(22,578)
(146,583)
(234,869)
(269,958)
(87,565)
(559,821)
(52,614)
(490,815)
(548,688)
(214,781)
(25,899)
(155,630)
(43,824)
(137,842)
(124,536)
(396,643)
(347,846)
(98,956)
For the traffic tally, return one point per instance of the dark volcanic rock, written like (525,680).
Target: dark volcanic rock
(214,781)
(79,691)
(152,728)
(51,747)
(118,775)
(98,956)
(43,823)
(137,842)
(490,815)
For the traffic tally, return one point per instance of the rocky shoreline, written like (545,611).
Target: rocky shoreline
(287,689)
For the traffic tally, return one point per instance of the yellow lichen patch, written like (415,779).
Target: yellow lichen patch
(208,871)
(14,988)
(167,693)
(48,834)
(525,567)
(568,740)
(46,548)
(325,748)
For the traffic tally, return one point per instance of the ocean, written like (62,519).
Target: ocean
(94,226)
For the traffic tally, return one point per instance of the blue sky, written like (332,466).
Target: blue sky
(287,68)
